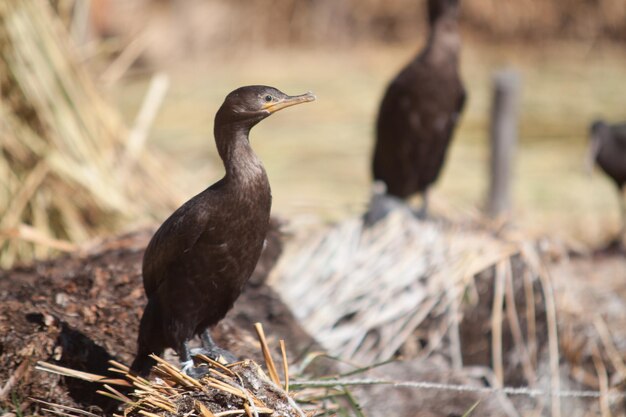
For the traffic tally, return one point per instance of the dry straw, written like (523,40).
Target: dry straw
(380,284)
(237,389)
(386,286)
(61,179)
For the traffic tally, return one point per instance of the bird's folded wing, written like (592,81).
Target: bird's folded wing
(176,237)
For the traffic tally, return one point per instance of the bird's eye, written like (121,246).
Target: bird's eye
(268,98)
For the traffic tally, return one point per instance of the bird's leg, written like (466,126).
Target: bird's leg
(422,214)
(210,349)
(184,356)
(186,362)
(207,339)
(381,204)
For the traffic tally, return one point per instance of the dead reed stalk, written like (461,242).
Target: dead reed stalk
(60,177)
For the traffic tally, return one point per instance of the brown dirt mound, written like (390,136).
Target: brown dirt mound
(79,311)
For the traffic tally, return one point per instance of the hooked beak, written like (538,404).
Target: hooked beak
(592,153)
(288,101)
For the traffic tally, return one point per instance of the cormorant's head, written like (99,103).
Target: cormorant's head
(442,8)
(255,102)
(598,130)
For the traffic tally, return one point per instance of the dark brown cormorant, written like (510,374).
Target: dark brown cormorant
(607,148)
(420,110)
(198,261)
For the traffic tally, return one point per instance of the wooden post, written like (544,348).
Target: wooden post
(503,132)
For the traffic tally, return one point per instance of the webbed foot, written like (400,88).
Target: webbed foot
(193,371)
(187,364)
(209,348)
(217,354)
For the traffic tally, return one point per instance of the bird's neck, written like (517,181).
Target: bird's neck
(444,42)
(240,162)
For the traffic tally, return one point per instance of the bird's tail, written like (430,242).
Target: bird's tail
(142,365)
(150,340)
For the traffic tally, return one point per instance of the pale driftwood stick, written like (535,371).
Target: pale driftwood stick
(496,322)
(151,104)
(125,60)
(80,26)
(13,380)
(503,132)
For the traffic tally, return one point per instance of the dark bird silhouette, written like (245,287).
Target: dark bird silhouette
(420,110)
(607,148)
(198,261)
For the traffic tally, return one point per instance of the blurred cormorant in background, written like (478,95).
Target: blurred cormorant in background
(418,114)
(198,261)
(607,148)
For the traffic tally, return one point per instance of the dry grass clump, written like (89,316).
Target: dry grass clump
(66,172)
(381,283)
(237,389)
(591,297)
(460,293)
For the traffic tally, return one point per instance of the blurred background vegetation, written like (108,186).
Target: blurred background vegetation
(242,23)
(570,54)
